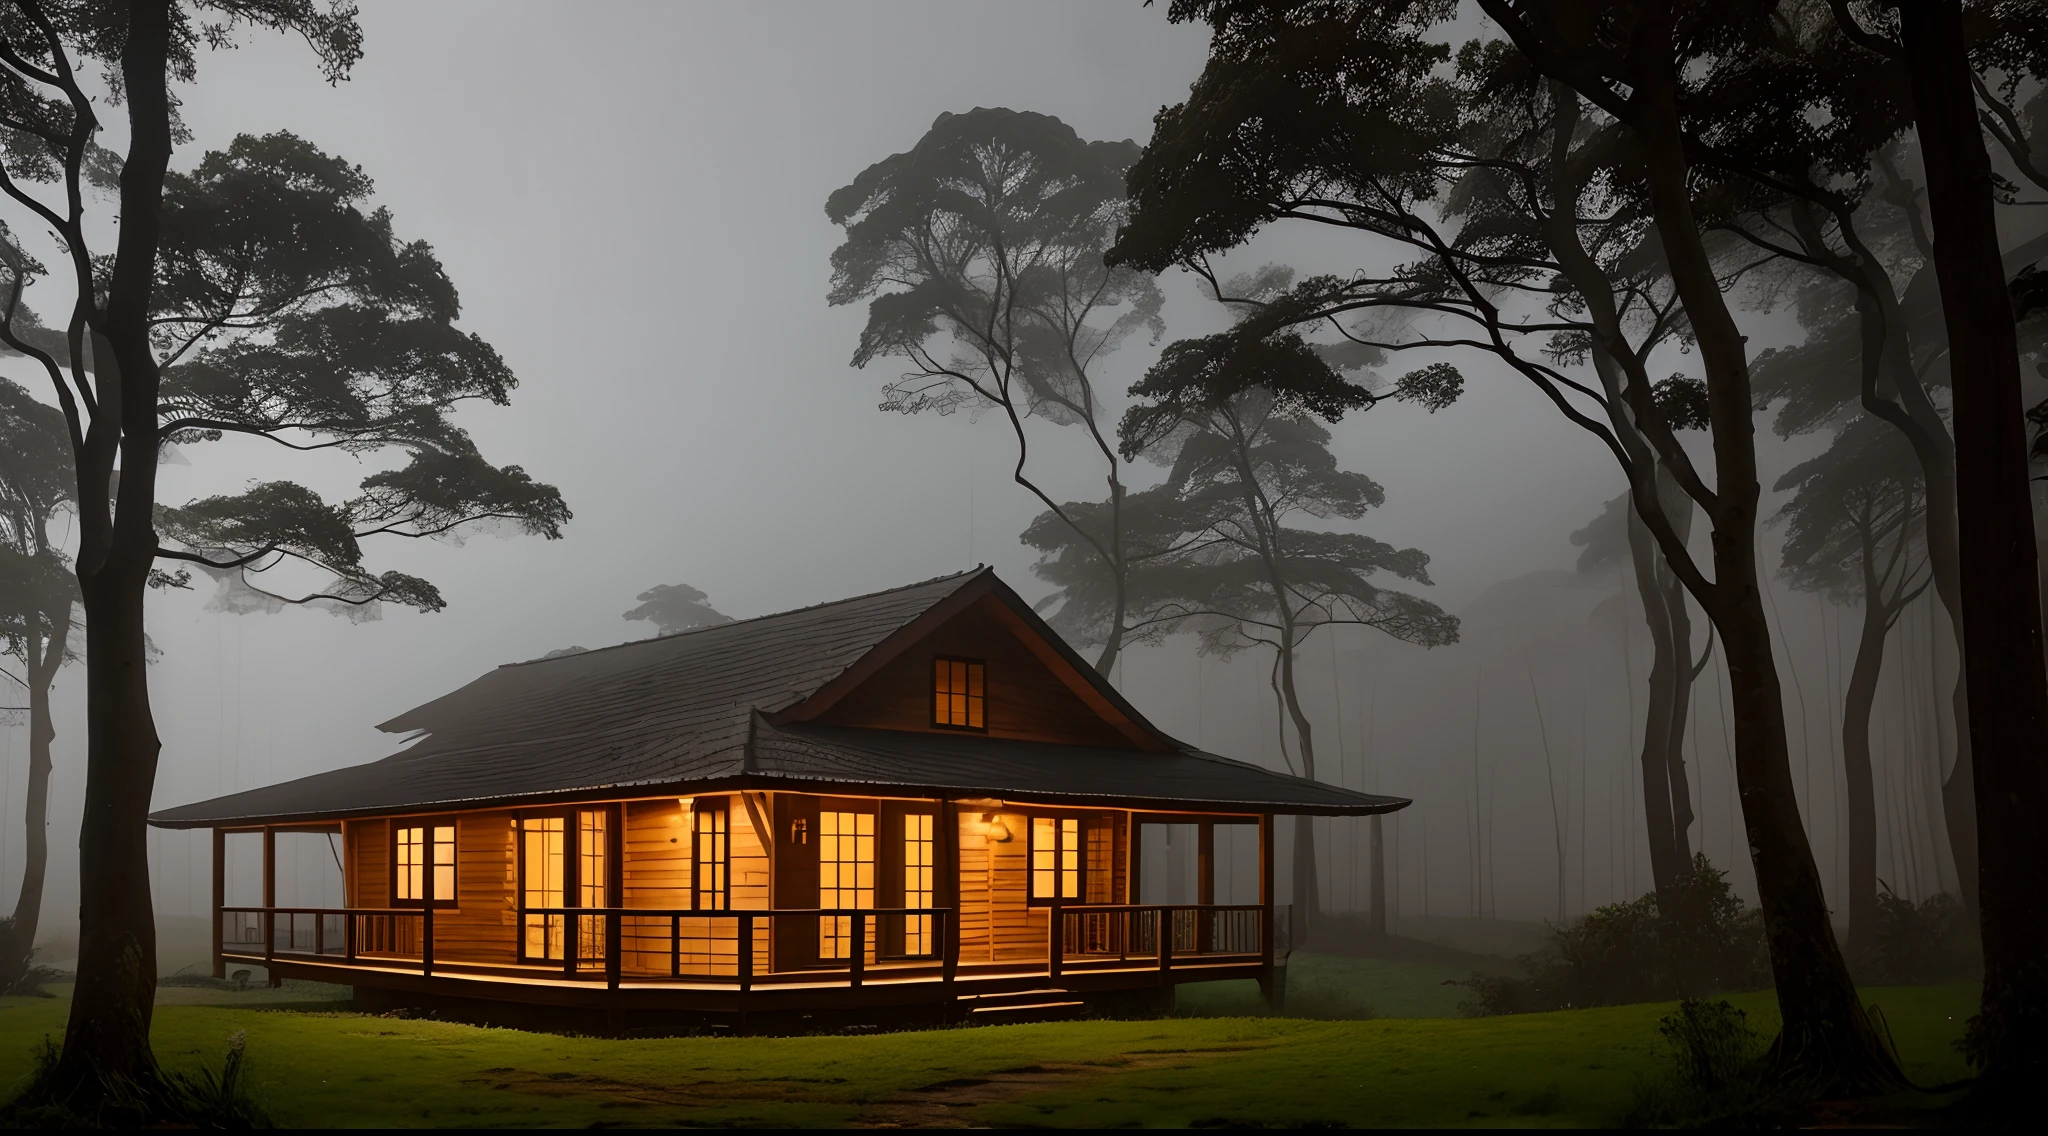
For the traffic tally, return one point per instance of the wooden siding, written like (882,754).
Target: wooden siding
(1025,699)
(484,925)
(657,854)
(370,853)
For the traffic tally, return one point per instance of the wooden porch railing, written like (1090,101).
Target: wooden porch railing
(1089,936)
(619,945)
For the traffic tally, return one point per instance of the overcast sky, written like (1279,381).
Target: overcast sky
(630,198)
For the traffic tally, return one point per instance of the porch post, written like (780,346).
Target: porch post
(220,900)
(1271,983)
(270,901)
(1205,883)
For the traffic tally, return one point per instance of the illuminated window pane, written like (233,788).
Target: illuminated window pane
(592,874)
(411,876)
(444,864)
(846,876)
(709,874)
(917,882)
(958,694)
(1070,859)
(544,865)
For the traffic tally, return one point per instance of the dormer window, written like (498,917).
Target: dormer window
(959,700)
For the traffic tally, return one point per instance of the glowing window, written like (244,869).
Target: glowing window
(917,882)
(708,875)
(592,864)
(846,876)
(1055,858)
(959,699)
(423,855)
(543,863)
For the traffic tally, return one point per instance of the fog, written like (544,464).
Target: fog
(630,198)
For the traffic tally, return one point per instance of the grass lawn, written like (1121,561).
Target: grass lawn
(1339,987)
(316,1066)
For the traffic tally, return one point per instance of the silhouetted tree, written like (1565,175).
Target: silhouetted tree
(37,595)
(1618,537)
(1543,183)
(254,297)
(676,607)
(1849,533)
(980,253)
(1249,464)
(2002,656)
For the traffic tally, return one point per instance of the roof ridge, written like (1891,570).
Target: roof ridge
(976,570)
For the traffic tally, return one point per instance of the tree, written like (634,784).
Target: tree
(1849,533)
(676,607)
(2002,658)
(1548,174)
(250,297)
(1618,537)
(37,595)
(1249,462)
(980,253)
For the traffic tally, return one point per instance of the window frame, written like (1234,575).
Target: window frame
(704,806)
(938,721)
(427,825)
(572,864)
(1081,828)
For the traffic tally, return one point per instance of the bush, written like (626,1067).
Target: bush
(1712,1077)
(18,972)
(1919,944)
(1707,942)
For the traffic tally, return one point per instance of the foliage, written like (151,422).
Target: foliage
(1856,501)
(201,1098)
(18,972)
(980,253)
(1920,944)
(1701,939)
(676,607)
(1712,1052)
(287,308)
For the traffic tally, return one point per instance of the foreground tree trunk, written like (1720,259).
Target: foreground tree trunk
(1659,818)
(107,1038)
(2002,660)
(1826,1042)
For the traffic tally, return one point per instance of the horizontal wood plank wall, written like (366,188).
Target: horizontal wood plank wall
(372,860)
(972,899)
(1025,700)
(657,875)
(1018,930)
(484,926)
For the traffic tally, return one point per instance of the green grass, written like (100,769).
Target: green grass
(1576,1068)
(1334,987)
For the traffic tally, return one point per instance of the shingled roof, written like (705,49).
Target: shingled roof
(708,709)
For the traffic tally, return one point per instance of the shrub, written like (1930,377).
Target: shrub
(1699,939)
(1711,1078)
(1919,944)
(18,972)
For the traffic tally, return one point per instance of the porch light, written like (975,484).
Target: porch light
(685,803)
(998,832)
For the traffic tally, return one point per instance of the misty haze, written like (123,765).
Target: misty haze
(1326,564)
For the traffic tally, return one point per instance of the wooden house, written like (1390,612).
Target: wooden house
(917,798)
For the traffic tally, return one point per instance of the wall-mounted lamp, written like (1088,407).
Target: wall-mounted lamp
(998,832)
(686,802)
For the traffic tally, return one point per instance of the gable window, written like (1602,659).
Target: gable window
(423,864)
(1056,859)
(959,695)
(710,856)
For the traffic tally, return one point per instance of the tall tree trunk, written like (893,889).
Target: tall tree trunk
(1682,679)
(1666,663)
(107,1037)
(2002,659)
(1826,1040)
(1858,700)
(43,661)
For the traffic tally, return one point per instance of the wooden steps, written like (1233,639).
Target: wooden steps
(1022,1006)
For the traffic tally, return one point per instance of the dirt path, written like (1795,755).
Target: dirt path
(951,1104)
